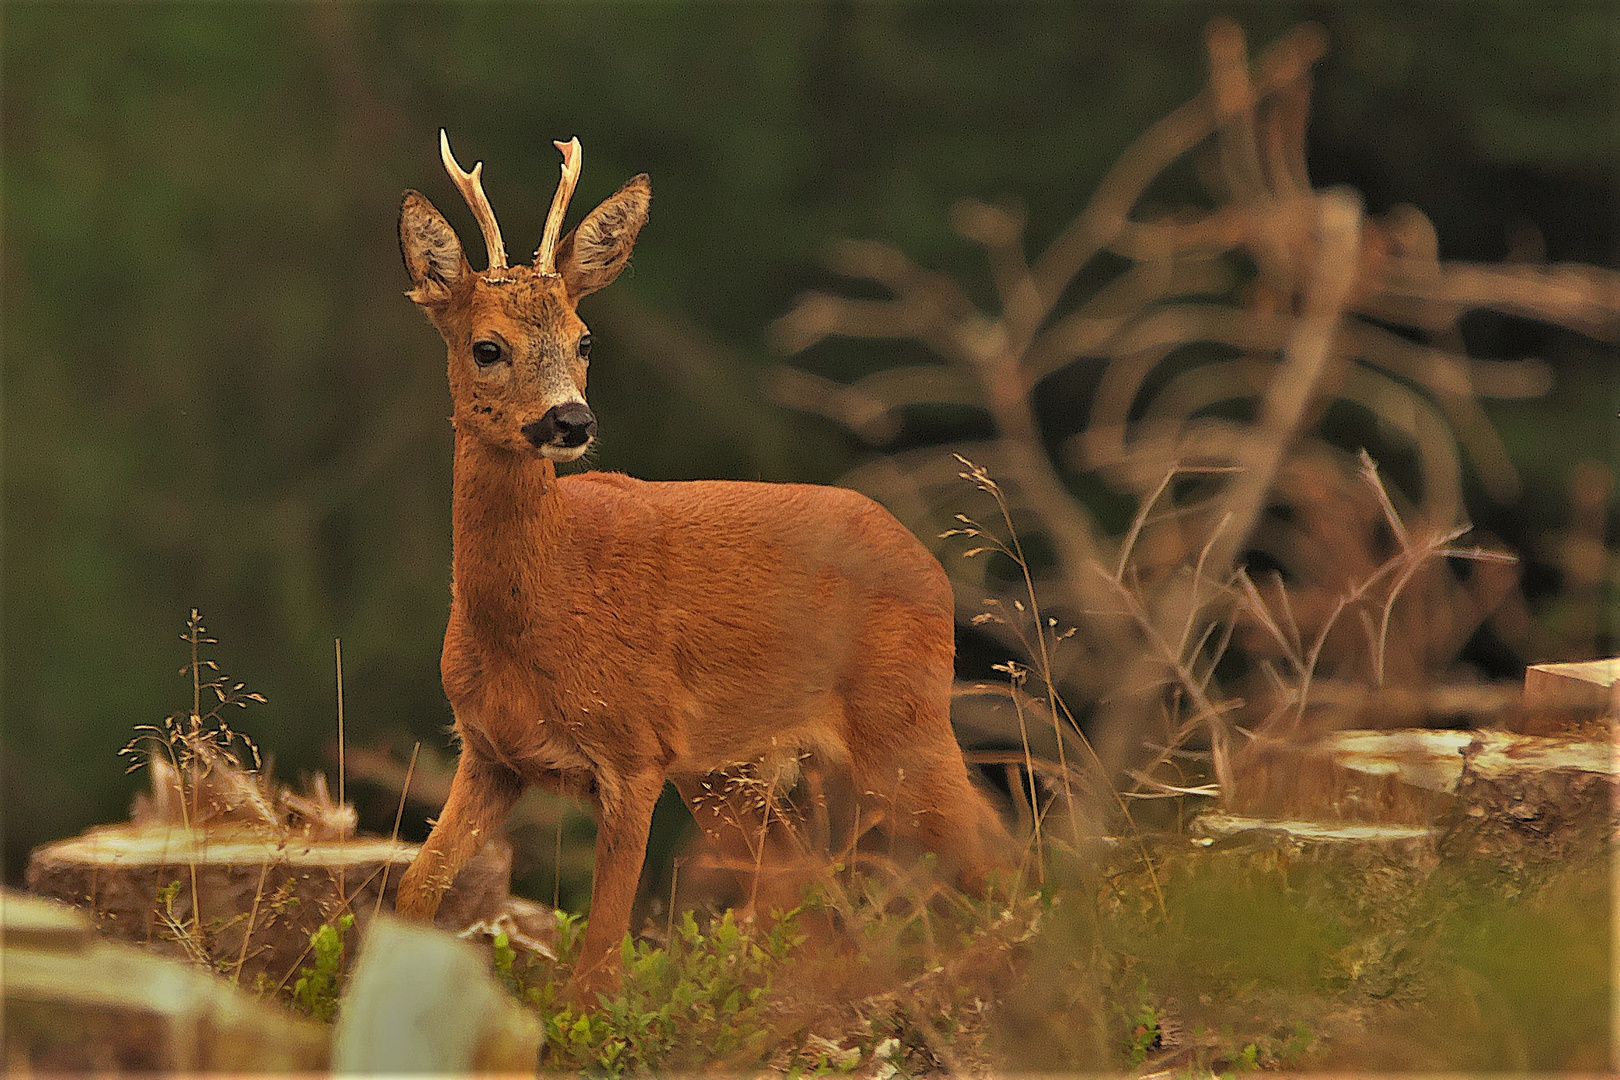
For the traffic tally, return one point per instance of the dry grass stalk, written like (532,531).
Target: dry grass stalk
(399,815)
(211,812)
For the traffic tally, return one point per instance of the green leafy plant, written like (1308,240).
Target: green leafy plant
(318,987)
(1247,1059)
(1145,1031)
(705,998)
(505,957)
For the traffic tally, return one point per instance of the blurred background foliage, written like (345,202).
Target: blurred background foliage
(216,396)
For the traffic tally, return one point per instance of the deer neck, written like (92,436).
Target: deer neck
(508,520)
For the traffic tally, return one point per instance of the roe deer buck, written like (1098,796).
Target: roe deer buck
(607,634)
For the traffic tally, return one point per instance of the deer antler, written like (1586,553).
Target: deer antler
(545,257)
(472,189)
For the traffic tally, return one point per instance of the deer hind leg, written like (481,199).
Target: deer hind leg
(481,795)
(913,773)
(622,822)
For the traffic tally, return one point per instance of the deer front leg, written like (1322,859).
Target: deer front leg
(621,848)
(481,795)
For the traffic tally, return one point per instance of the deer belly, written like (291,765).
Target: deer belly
(757,734)
(532,754)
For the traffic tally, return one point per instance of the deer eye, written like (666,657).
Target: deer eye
(585,347)
(486,353)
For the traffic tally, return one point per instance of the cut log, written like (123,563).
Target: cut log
(421,1001)
(1559,697)
(1215,826)
(1396,777)
(260,892)
(1436,759)
(75,1002)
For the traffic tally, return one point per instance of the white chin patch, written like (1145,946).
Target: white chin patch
(564,454)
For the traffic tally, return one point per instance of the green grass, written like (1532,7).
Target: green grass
(1272,957)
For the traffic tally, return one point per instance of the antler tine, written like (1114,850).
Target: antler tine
(471,186)
(545,257)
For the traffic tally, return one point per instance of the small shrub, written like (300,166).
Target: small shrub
(705,999)
(317,990)
(1146,1034)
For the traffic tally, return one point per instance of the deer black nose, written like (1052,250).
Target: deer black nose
(569,425)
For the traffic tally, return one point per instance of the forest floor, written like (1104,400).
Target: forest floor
(1481,942)
(1196,944)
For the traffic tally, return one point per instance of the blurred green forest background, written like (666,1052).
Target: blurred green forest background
(216,396)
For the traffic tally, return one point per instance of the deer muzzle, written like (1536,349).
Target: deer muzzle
(566,427)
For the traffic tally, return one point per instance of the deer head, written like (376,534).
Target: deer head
(518,350)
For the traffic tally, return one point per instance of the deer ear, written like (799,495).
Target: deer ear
(432,252)
(596,251)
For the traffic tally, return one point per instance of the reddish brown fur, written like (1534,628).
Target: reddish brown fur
(608,634)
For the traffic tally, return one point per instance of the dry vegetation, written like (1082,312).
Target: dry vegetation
(225,867)
(219,864)
(1270,581)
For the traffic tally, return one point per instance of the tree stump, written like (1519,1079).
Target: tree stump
(1558,697)
(259,892)
(1508,806)
(1528,804)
